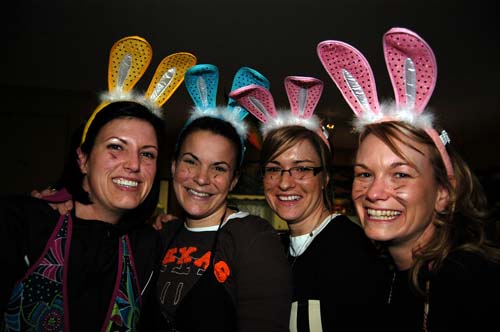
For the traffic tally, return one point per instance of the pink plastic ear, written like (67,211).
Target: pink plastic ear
(257,100)
(413,80)
(351,73)
(303,94)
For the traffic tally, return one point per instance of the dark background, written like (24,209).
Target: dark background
(55,55)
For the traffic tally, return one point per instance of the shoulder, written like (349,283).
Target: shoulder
(248,225)
(251,232)
(467,265)
(345,230)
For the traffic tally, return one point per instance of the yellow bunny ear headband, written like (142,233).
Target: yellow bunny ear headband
(128,60)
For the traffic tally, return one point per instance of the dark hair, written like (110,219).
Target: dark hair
(72,177)
(216,126)
(461,226)
(281,139)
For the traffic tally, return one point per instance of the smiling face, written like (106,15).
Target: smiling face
(203,176)
(120,170)
(396,199)
(298,202)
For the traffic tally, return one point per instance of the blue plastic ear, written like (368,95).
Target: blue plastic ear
(201,82)
(243,77)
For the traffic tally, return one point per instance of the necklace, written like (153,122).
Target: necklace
(300,243)
(426,301)
(297,252)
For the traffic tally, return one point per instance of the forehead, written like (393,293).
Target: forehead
(211,146)
(128,127)
(406,150)
(302,150)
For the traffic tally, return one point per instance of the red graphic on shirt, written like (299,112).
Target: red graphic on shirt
(184,255)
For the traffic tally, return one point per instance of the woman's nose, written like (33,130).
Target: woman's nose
(202,176)
(286,180)
(132,163)
(378,190)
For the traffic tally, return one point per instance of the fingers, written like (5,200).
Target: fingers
(161,219)
(35,193)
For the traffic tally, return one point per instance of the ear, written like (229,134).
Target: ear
(327,180)
(442,199)
(173,166)
(234,181)
(82,160)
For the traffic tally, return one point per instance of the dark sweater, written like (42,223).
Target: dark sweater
(25,226)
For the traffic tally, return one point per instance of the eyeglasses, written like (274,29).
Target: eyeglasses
(297,172)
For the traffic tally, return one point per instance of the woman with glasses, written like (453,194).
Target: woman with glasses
(335,273)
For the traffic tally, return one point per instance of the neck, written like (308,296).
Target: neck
(308,224)
(402,252)
(92,212)
(211,220)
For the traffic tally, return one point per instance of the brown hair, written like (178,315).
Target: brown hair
(281,139)
(461,226)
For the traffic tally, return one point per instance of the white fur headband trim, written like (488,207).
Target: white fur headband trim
(286,118)
(118,95)
(390,112)
(231,115)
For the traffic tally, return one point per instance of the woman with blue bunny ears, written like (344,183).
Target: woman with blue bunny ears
(415,196)
(222,270)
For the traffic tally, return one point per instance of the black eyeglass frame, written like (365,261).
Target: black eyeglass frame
(316,170)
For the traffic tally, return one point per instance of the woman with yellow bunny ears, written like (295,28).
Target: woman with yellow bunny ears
(91,269)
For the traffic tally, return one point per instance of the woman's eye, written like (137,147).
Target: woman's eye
(401,175)
(114,147)
(220,169)
(189,161)
(362,175)
(149,155)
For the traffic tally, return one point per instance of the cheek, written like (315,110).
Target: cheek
(181,175)
(358,190)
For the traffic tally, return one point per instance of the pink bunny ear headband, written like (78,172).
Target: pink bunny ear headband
(413,71)
(303,94)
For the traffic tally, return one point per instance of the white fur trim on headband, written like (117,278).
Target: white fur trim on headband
(286,118)
(389,111)
(118,95)
(231,115)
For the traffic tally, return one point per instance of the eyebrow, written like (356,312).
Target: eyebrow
(198,159)
(296,162)
(124,141)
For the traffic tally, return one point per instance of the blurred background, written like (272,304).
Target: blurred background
(55,59)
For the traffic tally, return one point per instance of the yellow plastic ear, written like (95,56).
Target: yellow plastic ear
(128,60)
(169,76)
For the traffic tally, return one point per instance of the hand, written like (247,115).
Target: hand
(63,207)
(161,219)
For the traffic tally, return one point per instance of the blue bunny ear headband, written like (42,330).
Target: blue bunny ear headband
(202,81)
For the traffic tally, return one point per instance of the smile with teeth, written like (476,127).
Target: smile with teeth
(197,193)
(126,183)
(289,198)
(382,214)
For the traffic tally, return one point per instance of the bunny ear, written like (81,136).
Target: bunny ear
(168,76)
(128,60)
(412,68)
(352,74)
(257,100)
(201,82)
(303,94)
(246,76)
